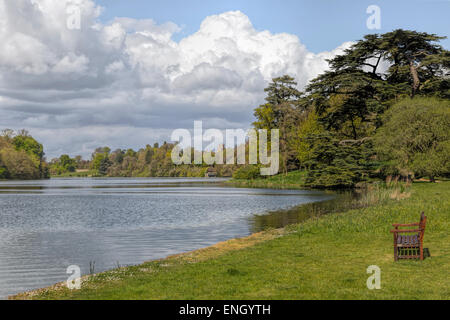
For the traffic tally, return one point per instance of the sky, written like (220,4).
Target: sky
(79,74)
(320,24)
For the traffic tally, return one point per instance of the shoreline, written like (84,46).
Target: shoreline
(231,244)
(193,256)
(225,246)
(190,275)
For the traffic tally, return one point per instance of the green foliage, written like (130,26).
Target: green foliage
(63,165)
(415,138)
(150,161)
(281,91)
(101,163)
(348,101)
(334,163)
(68,163)
(18,165)
(283,112)
(352,97)
(310,126)
(265,116)
(329,128)
(21,156)
(3,173)
(23,141)
(291,180)
(247,172)
(419,65)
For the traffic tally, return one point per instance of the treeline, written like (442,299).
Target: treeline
(382,109)
(21,156)
(151,161)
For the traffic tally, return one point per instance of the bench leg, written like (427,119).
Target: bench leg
(421,252)
(395,249)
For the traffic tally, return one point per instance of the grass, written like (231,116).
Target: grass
(291,180)
(323,258)
(84,174)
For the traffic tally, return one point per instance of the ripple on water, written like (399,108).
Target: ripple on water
(45,226)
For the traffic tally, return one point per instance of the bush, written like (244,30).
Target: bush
(415,138)
(247,173)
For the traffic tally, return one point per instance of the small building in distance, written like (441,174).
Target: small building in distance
(211,173)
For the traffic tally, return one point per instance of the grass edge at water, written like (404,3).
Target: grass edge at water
(282,256)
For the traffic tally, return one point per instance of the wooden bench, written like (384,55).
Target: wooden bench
(408,243)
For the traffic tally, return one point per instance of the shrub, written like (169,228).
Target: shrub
(415,138)
(247,173)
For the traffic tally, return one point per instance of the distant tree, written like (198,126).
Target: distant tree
(105,150)
(148,154)
(17,164)
(23,141)
(130,153)
(21,156)
(105,163)
(7,134)
(68,164)
(100,161)
(117,156)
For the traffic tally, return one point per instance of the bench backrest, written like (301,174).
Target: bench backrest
(422,225)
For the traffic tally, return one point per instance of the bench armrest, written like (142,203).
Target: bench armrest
(405,225)
(405,231)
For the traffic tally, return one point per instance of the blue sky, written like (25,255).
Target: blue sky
(321,25)
(127,84)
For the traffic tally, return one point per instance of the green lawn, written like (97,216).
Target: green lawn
(324,258)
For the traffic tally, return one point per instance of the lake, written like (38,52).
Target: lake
(48,225)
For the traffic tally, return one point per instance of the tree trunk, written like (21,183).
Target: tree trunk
(415,77)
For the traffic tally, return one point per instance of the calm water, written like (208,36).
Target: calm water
(46,226)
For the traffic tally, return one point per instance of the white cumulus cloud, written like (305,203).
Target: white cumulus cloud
(127,81)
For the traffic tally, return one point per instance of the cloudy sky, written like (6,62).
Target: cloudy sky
(135,70)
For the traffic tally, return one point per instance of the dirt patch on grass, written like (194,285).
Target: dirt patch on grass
(223,247)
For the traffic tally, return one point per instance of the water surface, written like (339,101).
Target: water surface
(46,226)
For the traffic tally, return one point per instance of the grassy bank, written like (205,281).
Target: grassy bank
(291,180)
(74,175)
(324,258)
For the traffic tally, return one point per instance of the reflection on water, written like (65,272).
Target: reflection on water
(339,202)
(46,226)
